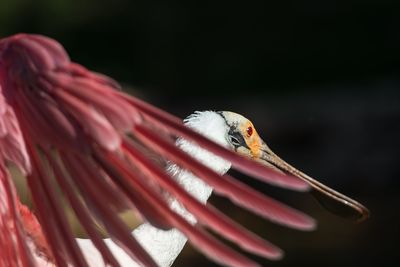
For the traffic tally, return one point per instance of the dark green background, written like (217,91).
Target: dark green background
(319,79)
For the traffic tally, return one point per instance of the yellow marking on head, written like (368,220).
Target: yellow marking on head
(251,138)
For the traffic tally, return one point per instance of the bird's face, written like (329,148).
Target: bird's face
(241,135)
(244,139)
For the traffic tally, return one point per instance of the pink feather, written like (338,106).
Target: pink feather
(76,124)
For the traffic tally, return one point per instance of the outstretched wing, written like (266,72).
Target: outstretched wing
(78,132)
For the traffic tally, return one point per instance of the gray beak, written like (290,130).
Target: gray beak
(332,200)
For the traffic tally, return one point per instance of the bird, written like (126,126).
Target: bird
(73,129)
(229,129)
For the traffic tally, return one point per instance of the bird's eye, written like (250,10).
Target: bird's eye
(249,131)
(234,140)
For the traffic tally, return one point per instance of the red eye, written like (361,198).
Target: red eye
(249,131)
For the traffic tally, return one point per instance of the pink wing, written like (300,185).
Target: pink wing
(83,133)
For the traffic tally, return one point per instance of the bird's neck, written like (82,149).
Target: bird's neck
(165,246)
(192,184)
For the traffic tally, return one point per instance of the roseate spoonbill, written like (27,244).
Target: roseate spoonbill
(65,126)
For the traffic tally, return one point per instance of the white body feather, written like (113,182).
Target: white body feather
(165,246)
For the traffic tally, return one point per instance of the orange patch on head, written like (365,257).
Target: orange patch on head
(252,139)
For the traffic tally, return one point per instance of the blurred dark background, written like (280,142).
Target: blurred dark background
(319,79)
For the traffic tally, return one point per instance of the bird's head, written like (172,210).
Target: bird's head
(241,135)
(236,132)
